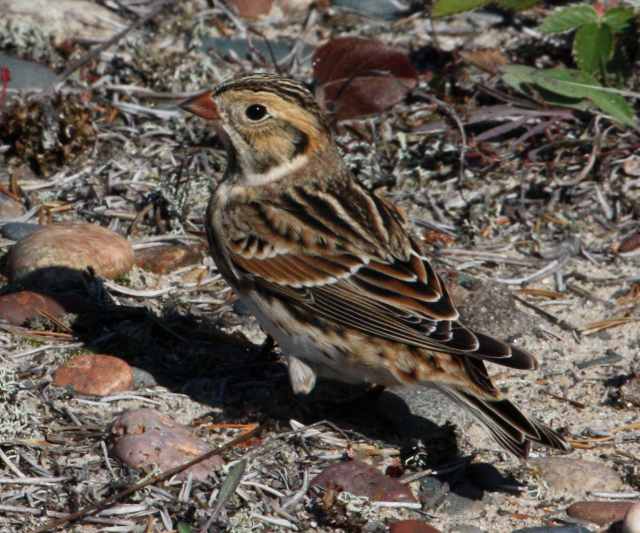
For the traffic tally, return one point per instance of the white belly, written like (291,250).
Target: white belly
(329,357)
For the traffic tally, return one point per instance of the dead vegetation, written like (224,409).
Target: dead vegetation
(509,194)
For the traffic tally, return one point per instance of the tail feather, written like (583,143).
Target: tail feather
(508,425)
(503,353)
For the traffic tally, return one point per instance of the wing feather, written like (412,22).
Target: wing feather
(367,277)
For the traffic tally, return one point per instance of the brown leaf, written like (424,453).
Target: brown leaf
(489,59)
(358,77)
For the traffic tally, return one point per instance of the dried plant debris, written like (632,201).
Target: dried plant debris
(529,208)
(47,133)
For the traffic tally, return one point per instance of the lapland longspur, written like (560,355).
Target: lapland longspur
(329,268)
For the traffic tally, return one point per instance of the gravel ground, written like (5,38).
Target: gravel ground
(535,237)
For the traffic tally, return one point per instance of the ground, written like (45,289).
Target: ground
(533,228)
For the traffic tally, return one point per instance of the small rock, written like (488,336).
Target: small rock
(561,529)
(75,246)
(360,479)
(18,230)
(95,375)
(144,438)
(384,9)
(17,308)
(631,522)
(631,166)
(163,259)
(142,378)
(9,206)
(412,526)
(600,513)
(572,477)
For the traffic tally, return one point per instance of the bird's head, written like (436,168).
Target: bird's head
(270,124)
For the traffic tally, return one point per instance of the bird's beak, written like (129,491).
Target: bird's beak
(202,105)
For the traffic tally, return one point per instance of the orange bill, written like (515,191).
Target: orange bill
(202,105)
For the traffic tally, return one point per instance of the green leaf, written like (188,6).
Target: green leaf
(564,81)
(184,528)
(517,5)
(229,485)
(617,18)
(517,76)
(568,18)
(593,47)
(444,8)
(576,84)
(615,106)
(572,85)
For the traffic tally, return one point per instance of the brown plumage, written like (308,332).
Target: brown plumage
(329,268)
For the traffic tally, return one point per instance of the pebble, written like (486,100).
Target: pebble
(631,522)
(9,206)
(142,378)
(574,477)
(561,529)
(360,479)
(166,258)
(412,526)
(73,245)
(18,230)
(384,9)
(145,439)
(95,375)
(631,165)
(600,513)
(18,308)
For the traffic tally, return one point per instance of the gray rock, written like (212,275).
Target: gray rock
(18,230)
(573,477)
(384,9)
(561,529)
(142,378)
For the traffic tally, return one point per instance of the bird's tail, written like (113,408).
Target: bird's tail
(508,425)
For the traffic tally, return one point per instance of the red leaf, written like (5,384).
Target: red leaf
(358,77)
(252,9)
(5,78)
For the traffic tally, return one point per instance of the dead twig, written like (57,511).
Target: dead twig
(553,319)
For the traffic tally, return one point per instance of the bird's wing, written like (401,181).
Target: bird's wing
(347,259)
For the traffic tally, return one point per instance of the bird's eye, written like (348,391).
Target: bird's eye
(256,112)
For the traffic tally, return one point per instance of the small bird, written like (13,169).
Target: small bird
(329,268)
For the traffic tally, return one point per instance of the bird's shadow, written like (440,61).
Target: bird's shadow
(241,382)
